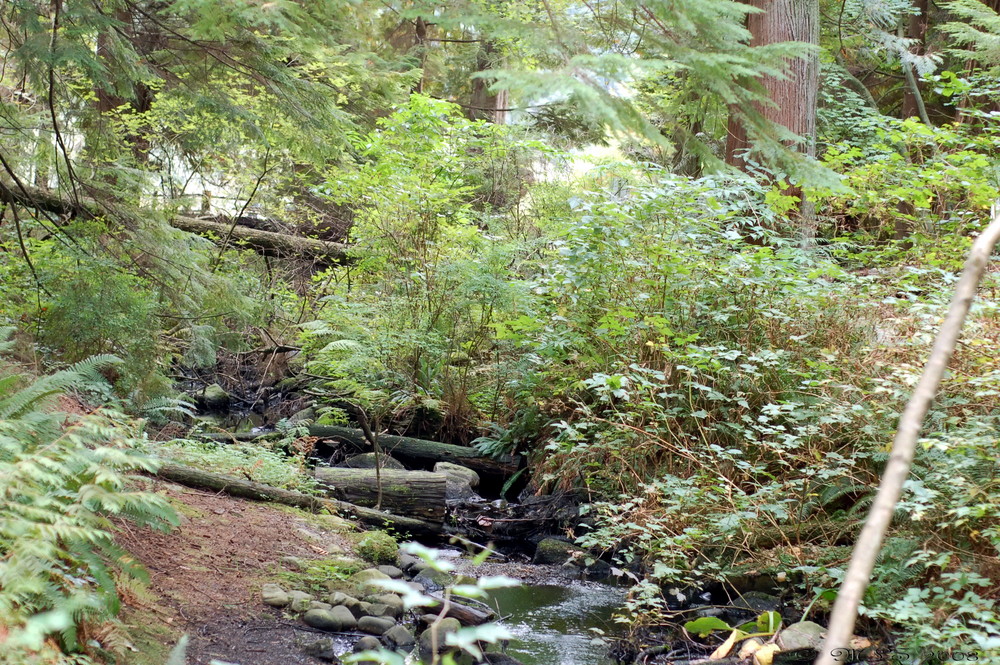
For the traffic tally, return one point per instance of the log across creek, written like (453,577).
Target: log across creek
(415,452)
(418,494)
(248,489)
(421,452)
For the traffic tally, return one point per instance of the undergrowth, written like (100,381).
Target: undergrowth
(63,477)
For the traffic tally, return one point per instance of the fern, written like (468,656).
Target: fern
(978,30)
(82,375)
(159,409)
(61,478)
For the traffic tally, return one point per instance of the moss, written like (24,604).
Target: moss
(378,547)
(152,640)
(319,575)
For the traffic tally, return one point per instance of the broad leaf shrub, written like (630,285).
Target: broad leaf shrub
(726,401)
(63,478)
(724,397)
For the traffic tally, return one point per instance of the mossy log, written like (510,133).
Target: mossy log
(420,451)
(265,242)
(416,494)
(247,489)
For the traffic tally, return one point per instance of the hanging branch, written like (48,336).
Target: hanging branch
(232,228)
(845,610)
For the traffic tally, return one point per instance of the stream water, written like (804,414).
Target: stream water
(551,622)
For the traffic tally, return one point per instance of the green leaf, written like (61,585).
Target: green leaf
(769,622)
(705,626)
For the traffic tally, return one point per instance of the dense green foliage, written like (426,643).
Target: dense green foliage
(546,256)
(63,478)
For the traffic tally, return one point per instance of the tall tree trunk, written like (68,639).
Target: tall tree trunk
(916,29)
(420,47)
(485,105)
(794,97)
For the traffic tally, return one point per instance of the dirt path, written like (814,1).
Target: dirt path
(206,576)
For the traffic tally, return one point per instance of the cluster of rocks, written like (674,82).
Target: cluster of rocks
(378,618)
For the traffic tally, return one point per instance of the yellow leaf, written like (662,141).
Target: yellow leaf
(765,654)
(726,646)
(750,647)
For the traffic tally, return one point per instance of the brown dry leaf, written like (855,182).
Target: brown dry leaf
(859,643)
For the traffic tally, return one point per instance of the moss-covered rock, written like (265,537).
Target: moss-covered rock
(378,547)
(365,580)
(553,551)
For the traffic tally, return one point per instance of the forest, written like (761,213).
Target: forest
(537,332)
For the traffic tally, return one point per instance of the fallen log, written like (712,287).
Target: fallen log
(247,489)
(265,242)
(416,494)
(420,451)
(466,614)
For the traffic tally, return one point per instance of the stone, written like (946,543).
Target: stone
(367,461)
(389,600)
(599,570)
(427,619)
(319,605)
(274,595)
(459,482)
(367,643)
(214,398)
(757,602)
(306,414)
(419,567)
(334,620)
(554,551)
(293,563)
(406,561)
(322,649)
(299,601)
(399,637)
(391,571)
(364,580)
(494,658)
(306,534)
(341,598)
(802,635)
(375,625)
(435,634)
(381,610)
(434,580)
(459,473)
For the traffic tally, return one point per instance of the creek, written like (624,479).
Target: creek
(552,622)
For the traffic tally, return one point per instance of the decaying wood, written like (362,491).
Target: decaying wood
(420,451)
(466,614)
(417,494)
(265,242)
(247,489)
